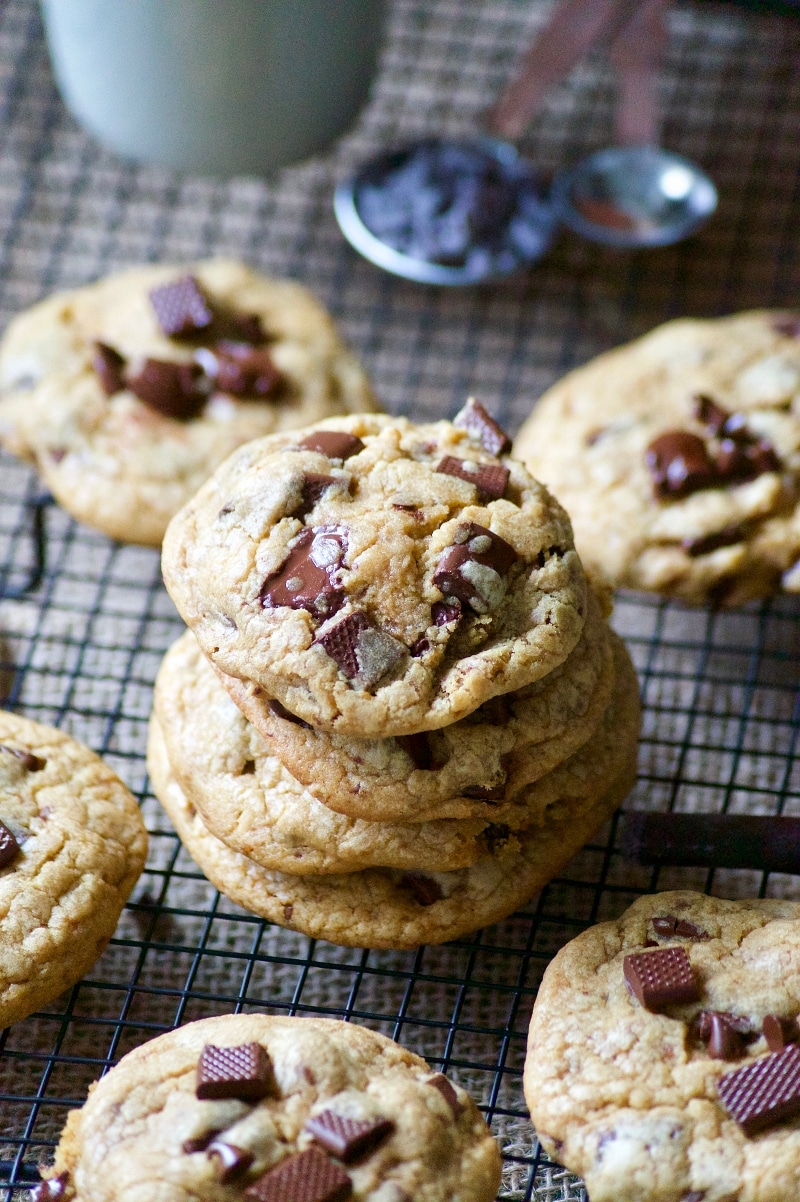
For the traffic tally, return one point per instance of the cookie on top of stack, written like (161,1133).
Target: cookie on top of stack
(400,709)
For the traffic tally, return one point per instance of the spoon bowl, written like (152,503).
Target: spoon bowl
(634,196)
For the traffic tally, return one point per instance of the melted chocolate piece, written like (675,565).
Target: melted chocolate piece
(440,1083)
(110,367)
(232,1162)
(244,370)
(706,543)
(170,388)
(481,426)
(243,1072)
(280,711)
(724,1041)
(363,652)
(314,487)
(443,612)
(779,1032)
(764,1092)
(660,978)
(52,1189)
(348,1139)
(707,411)
(472,570)
(309,576)
(419,646)
(9,848)
(687,930)
(336,444)
(29,761)
(665,926)
(308,1176)
(669,926)
(679,464)
(490,479)
(496,836)
(423,889)
(180,307)
(418,749)
(788,325)
(199,1143)
(246,326)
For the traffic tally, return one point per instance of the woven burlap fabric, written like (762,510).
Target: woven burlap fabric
(81,646)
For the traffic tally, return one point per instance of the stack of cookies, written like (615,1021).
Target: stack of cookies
(399,709)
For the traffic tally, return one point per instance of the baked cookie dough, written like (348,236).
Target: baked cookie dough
(460,771)
(377,577)
(240,1105)
(663,1060)
(383,908)
(238,356)
(678,458)
(72,845)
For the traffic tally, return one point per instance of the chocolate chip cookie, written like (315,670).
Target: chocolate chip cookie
(678,458)
(459,771)
(377,577)
(664,1052)
(72,845)
(271,1109)
(127,393)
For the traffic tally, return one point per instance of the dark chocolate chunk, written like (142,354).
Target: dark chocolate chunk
(419,646)
(473,569)
(280,711)
(711,414)
(424,889)
(418,749)
(29,761)
(485,792)
(199,1143)
(181,307)
(232,1162)
(665,926)
(445,1088)
(765,1091)
(246,326)
(314,487)
(110,367)
(243,1072)
(732,461)
(348,1139)
(244,370)
(779,1032)
(443,612)
(764,457)
(363,652)
(687,930)
(679,464)
(704,544)
(490,479)
(336,444)
(308,578)
(9,848)
(496,835)
(481,425)
(660,978)
(170,388)
(723,1040)
(308,1176)
(694,1195)
(766,843)
(52,1189)
(788,325)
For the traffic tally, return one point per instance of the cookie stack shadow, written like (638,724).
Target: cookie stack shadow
(411,838)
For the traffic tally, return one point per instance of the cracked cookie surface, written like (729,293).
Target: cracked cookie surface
(72,845)
(121,465)
(144,1132)
(715,406)
(630,1095)
(370,589)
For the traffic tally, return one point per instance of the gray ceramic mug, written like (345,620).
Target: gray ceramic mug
(224,87)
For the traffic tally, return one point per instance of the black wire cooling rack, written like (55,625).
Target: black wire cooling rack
(84,622)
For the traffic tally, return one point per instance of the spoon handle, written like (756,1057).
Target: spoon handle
(636,53)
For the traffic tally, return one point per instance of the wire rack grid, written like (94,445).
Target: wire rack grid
(84,622)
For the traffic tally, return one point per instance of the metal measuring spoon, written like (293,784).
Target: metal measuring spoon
(418,214)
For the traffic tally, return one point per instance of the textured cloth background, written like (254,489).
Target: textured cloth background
(84,622)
